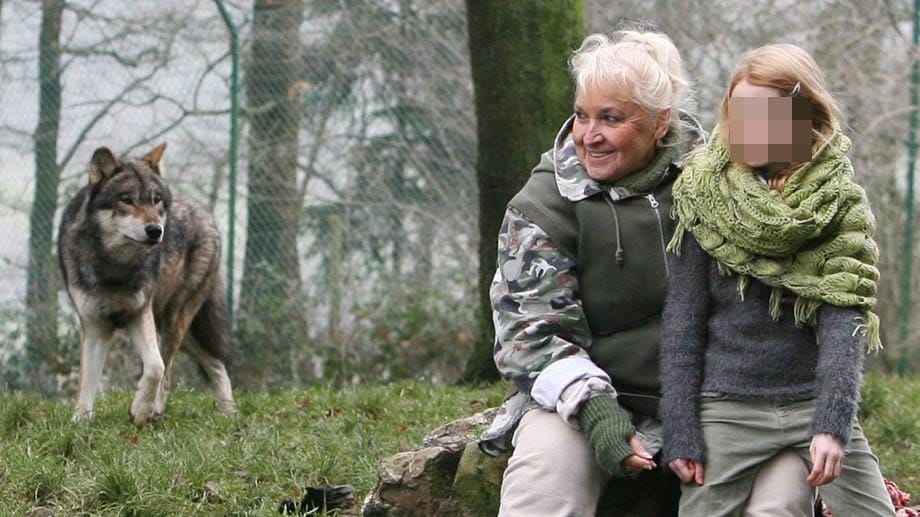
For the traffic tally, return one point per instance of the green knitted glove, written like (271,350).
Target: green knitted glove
(608,429)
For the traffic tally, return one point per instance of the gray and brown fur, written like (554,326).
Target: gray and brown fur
(138,260)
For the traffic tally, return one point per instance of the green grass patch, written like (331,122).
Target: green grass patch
(197,461)
(890,416)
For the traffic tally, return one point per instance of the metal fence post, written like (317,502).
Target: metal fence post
(234,111)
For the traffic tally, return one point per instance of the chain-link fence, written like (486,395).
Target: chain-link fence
(355,216)
(355,222)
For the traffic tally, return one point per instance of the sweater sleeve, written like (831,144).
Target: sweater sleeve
(839,370)
(541,330)
(683,344)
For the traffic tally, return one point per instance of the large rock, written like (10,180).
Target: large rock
(415,483)
(450,476)
(421,482)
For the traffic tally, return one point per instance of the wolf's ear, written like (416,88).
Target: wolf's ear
(102,165)
(153,157)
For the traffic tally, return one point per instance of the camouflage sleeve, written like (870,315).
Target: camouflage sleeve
(538,318)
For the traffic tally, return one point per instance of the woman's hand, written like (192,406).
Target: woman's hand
(687,470)
(641,460)
(827,457)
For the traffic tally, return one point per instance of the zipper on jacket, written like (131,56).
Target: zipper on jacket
(664,252)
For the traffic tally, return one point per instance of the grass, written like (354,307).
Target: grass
(196,461)
(199,462)
(890,416)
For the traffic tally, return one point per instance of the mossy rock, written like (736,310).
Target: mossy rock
(477,484)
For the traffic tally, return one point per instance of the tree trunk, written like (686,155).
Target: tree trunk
(523,94)
(271,319)
(41,294)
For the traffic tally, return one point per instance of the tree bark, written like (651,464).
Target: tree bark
(271,314)
(42,283)
(523,94)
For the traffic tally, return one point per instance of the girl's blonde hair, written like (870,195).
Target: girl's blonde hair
(643,67)
(783,66)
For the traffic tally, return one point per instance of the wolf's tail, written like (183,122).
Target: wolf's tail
(211,326)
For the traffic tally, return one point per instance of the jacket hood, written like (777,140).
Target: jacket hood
(571,177)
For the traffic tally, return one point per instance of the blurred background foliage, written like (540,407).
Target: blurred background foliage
(357,208)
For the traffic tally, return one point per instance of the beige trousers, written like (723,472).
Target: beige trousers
(552,472)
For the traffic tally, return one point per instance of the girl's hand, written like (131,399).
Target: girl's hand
(687,470)
(641,460)
(827,457)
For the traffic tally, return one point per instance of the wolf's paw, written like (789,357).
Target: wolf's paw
(227,406)
(140,420)
(82,415)
(141,413)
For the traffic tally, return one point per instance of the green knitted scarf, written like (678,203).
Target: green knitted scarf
(813,238)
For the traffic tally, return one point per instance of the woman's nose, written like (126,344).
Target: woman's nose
(593,134)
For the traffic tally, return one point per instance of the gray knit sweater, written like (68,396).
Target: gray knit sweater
(712,341)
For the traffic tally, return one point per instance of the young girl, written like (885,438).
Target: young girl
(768,313)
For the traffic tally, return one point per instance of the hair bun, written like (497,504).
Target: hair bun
(662,51)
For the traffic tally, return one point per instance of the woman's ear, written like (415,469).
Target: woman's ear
(662,124)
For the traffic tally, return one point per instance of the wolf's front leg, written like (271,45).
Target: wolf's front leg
(143,334)
(94,346)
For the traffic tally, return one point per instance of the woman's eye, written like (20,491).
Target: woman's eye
(580,115)
(611,118)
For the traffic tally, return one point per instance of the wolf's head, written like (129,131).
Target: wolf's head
(129,201)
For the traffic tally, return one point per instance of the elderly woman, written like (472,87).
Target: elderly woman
(580,285)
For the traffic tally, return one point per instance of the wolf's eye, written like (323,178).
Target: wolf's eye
(157,199)
(126,200)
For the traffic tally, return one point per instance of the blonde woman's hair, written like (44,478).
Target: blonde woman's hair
(642,67)
(782,66)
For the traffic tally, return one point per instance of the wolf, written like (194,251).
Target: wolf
(138,260)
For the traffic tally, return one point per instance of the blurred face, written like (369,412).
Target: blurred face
(767,126)
(614,138)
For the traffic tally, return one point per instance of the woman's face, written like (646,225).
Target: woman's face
(614,138)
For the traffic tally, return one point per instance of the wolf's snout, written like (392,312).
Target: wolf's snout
(154,232)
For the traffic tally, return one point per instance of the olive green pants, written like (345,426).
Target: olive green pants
(741,435)
(552,472)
